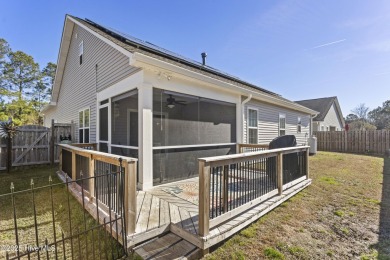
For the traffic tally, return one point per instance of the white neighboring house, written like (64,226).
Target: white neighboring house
(330,117)
(136,99)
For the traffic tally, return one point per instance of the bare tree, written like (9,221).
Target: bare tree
(361,111)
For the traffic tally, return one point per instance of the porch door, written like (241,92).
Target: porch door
(103,129)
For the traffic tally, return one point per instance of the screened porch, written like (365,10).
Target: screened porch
(183,128)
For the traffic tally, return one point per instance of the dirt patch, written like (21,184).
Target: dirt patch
(342,215)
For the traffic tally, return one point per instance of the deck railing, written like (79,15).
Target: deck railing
(244,148)
(231,184)
(81,161)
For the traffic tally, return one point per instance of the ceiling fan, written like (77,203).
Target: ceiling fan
(171,101)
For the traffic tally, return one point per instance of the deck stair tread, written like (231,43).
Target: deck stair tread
(169,246)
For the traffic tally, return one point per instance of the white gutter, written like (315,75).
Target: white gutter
(243,113)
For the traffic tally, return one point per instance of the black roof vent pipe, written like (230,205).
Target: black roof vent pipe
(204,55)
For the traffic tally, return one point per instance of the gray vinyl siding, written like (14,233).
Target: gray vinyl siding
(81,82)
(268,122)
(332,119)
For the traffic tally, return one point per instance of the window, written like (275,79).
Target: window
(322,128)
(81,52)
(282,124)
(252,126)
(84,125)
(299,125)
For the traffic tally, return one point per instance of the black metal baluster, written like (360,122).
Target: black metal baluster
(109,211)
(63,245)
(84,209)
(35,217)
(105,238)
(15,219)
(47,249)
(69,216)
(52,216)
(212,184)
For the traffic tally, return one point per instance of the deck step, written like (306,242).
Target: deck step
(168,246)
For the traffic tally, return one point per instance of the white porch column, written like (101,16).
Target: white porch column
(145,136)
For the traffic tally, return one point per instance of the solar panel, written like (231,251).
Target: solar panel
(158,50)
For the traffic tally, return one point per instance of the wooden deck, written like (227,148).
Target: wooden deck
(160,211)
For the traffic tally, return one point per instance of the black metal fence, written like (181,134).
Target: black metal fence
(47,222)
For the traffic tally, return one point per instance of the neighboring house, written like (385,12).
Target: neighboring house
(136,99)
(330,117)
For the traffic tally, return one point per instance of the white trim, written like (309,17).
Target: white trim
(125,146)
(190,146)
(252,127)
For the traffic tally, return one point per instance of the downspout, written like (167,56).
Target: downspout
(243,113)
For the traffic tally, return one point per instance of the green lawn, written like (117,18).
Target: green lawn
(21,179)
(342,215)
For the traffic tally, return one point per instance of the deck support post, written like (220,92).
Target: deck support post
(204,199)
(91,180)
(279,168)
(130,171)
(307,164)
(74,166)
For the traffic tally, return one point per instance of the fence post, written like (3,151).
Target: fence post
(279,168)
(307,164)
(204,199)
(130,195)
(52,143)
(91,180)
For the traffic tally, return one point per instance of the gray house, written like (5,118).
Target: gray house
(330,117)
(136,99)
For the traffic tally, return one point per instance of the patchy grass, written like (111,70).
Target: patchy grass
(337,217)
(273,253)
(24,210)
(339,213)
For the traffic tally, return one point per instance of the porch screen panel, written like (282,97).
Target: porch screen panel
(124,120)
(103,124)
(181,120)
(182,163)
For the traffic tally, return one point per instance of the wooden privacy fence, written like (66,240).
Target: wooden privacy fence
(371,141)
(229,185)
(34,144)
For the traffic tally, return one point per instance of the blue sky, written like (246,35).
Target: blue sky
(299,49)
